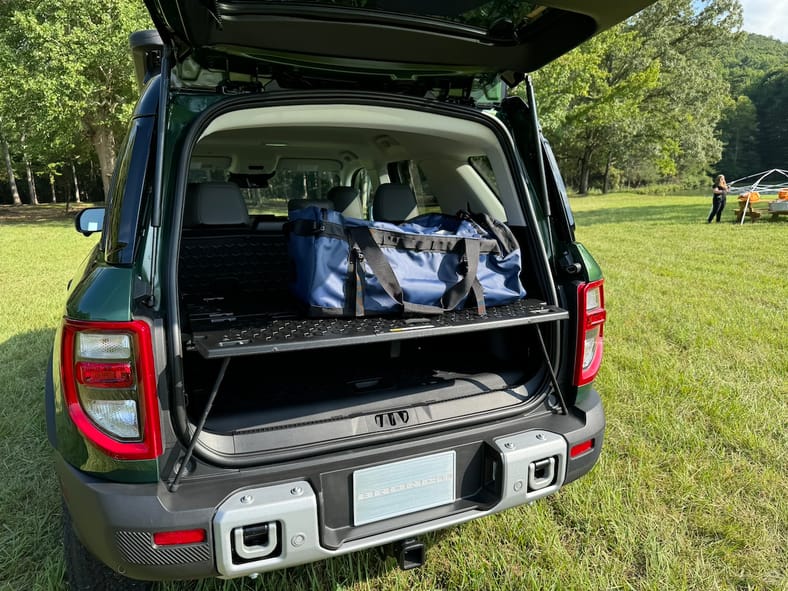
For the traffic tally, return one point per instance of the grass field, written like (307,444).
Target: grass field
(691,491)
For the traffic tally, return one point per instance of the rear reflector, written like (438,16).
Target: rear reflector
(581,448)
(184,536)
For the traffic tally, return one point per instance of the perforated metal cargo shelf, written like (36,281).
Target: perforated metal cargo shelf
(255,334)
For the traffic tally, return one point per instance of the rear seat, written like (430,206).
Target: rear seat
(226,259)
(215,204)
(347,201)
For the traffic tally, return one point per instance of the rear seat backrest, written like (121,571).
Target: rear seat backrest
(214,204)
(223,256)
(394,202)
(347,201)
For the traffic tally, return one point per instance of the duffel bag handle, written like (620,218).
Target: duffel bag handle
(469,285)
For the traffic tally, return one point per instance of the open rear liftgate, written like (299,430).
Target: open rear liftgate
(277,526)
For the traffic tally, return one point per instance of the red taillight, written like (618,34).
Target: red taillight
(590,331)
(109,385)
(105,375)
(184,536)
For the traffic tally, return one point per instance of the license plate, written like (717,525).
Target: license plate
(399,488)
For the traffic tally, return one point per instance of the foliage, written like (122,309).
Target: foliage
(748,60)
(770,97)
(603,111)
(643,98)
(671,96)
(739,130)
(754,122)
(66,76)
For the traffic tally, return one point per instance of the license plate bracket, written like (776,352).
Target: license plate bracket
(403,487)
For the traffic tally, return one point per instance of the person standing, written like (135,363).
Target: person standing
(719,197)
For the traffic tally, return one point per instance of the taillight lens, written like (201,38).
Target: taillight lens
(110,387)
(590,331)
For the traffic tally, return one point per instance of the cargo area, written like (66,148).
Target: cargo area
(263,375)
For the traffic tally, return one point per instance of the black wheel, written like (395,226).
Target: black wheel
(84,572)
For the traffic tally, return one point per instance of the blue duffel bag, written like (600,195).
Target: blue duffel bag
(430,264)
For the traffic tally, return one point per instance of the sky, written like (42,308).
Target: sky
(766,17)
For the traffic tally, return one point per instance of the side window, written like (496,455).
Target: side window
(516,116)
(409,173)
(362,181)
(554,174)
(481,164)
(127,190)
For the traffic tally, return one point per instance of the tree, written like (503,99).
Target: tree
(739,131)
(72,67)
(770,98)
(606,111)
(748,61)
(687,37)
(10,171)
(644,96)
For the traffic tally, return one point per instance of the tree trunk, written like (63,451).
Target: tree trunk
(76,185)
(104,143)
(11,177)
(31,182)
(606,184)
(585,170)
(52,186)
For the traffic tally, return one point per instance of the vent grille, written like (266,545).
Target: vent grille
(137,547)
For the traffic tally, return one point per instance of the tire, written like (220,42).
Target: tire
(84,572)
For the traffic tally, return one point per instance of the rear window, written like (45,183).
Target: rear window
(269,194)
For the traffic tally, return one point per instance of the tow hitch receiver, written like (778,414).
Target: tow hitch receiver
(409,553)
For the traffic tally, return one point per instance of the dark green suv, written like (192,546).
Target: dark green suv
(203,425)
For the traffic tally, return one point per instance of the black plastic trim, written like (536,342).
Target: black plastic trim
(49,402)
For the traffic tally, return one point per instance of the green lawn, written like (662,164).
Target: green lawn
(691,491)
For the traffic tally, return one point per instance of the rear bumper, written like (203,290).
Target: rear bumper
(306,512)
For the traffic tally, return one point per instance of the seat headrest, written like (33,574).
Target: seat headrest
(214,204)
(347,201)
(394,202)
(302,203)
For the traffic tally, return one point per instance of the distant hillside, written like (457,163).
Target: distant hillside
(754,128)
